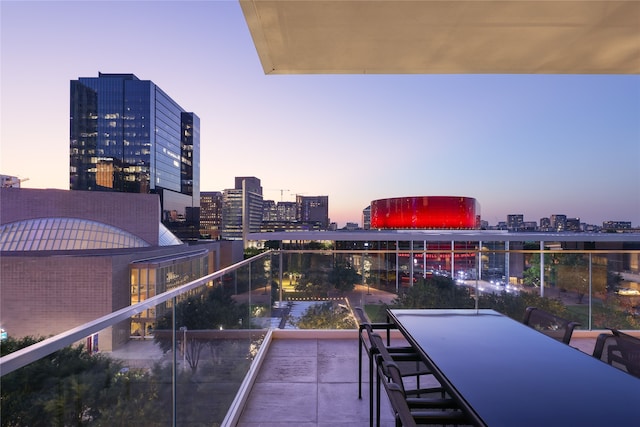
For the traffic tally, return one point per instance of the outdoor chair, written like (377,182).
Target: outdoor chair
(410,411)
(418,397)
(365,328)
(619,350)
(406,357)
(549,324)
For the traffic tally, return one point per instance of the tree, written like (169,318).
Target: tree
(435,292)
(573,275)
(343,277)
(212,309)
(327,315)
(67,387)
(313,284)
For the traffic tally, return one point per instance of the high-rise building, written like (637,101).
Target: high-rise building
(210,214)
(573,224)
(242,208)
(287,211)
(269,211)
(558,222)
(545,224)
(515,222)
(127,135)
(313,209)
(366,218)
(616,225)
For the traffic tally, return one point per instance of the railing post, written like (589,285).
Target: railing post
(542,268)
(174,371)
(280,272)
(590,291)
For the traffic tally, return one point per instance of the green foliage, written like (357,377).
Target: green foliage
(212,309)
(68,387)
(614,279)
(251,252)
(344,278)
(442,292)
(272,244)
(327,315)
(514,306)
(209,310)
(435,292)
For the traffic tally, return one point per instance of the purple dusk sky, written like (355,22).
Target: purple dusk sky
(530,144)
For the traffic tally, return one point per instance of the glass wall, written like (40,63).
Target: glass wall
(207,329)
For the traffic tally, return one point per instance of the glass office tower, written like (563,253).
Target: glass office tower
(127,135)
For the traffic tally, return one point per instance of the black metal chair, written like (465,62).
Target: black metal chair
(619,350)
(365,328)
(389,369)
(549,324)
(416,411)
(406,357)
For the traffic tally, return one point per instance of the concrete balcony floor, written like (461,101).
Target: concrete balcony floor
(313,382)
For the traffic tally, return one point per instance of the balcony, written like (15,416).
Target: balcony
(265,369)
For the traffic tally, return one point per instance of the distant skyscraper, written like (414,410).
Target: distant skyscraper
(211,213)
(366,218)
(545,224)
(128,135)
(269,211)
(573,224)
(558,222)
(313,209)
(515,222)
(242,208)
(616,225)
(287,211)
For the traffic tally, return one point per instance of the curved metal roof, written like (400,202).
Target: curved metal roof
(50,234)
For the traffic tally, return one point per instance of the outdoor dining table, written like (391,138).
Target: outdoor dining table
(508,374)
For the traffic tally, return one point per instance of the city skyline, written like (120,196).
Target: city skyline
(535,145)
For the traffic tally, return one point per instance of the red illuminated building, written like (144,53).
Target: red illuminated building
(426,212)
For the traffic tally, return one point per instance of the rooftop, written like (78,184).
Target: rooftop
(307,379)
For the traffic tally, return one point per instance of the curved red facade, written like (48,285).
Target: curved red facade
(430,212)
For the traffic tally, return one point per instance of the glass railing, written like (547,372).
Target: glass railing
(187,370)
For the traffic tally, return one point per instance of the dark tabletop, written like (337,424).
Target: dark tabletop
(512,375)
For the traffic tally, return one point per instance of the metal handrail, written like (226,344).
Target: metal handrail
(32,353)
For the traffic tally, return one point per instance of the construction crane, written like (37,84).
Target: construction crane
(281,190)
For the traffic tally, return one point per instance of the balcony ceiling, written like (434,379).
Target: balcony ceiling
(445,37)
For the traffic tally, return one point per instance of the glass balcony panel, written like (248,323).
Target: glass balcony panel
(152,373)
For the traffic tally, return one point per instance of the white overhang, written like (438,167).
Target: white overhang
(445,37)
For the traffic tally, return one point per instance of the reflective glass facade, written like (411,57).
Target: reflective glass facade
(128,135)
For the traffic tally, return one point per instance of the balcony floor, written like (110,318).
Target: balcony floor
(314,383)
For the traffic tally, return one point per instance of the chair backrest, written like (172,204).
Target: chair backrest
(378,347)
(550,324)
(399,404)
(627,353)
(619,350)
(365,324)
(361,316)
(603,342)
